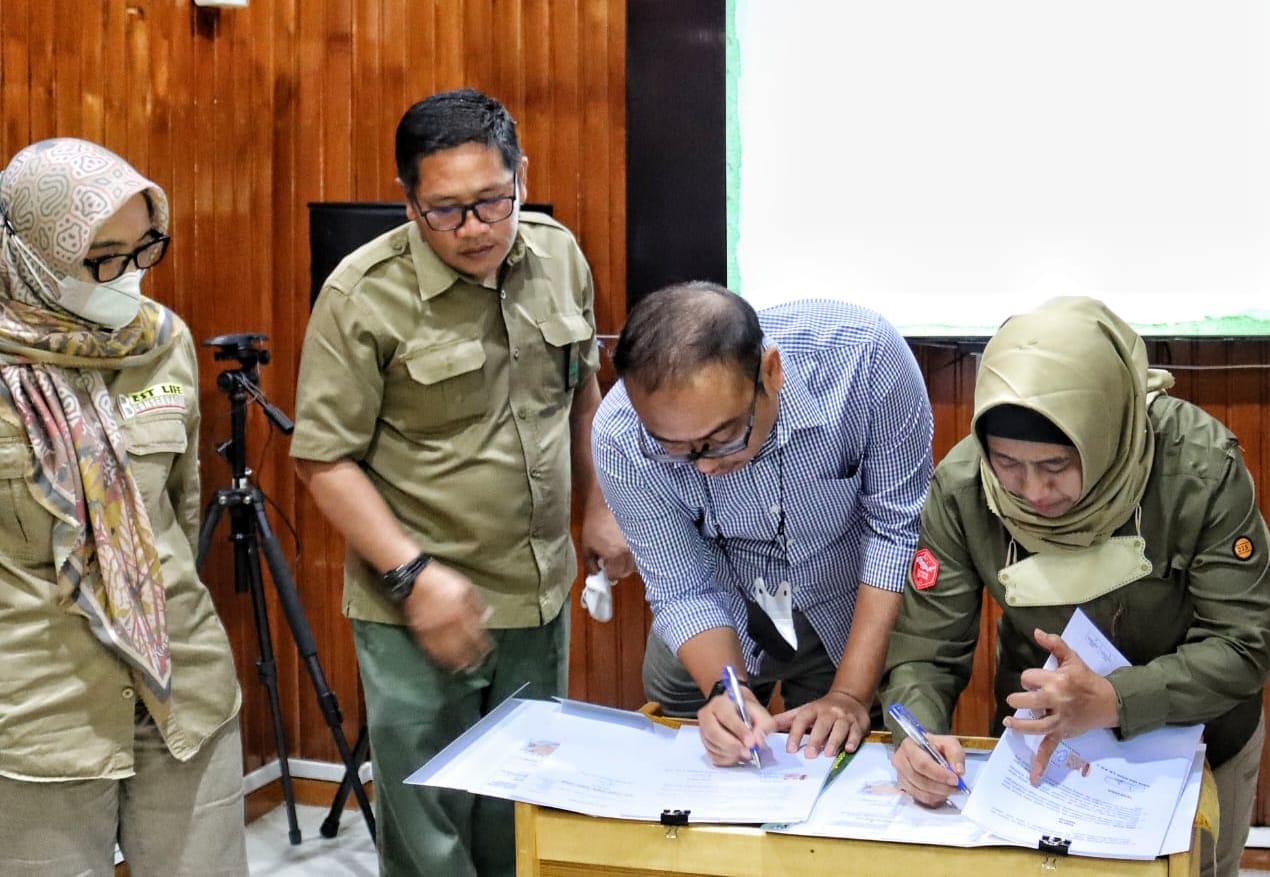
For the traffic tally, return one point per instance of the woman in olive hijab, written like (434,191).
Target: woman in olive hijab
(1084,485)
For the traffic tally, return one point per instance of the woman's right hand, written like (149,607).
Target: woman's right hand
(447,617)
(923,778)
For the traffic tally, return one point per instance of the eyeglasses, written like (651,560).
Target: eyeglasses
(107,268)
(669,452)
(487,210)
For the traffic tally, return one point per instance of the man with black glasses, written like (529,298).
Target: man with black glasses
(768,471)
(445,397)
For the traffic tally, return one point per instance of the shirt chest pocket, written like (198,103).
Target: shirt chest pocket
(27,526)
(827,499)
(153,446)
(565,335)
(446,388)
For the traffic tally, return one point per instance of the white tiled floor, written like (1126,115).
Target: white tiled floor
(349,854)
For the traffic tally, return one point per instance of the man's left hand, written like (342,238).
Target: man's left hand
(1065,702)
(834,721)
(602,542)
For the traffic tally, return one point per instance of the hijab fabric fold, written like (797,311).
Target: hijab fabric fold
(1083,368)
(54,195)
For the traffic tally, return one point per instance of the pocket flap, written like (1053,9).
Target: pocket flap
(563,329)
(14,455)
(155,435)
(432,365)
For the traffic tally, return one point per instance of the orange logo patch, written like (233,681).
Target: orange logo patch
(925,570)
(1242,548)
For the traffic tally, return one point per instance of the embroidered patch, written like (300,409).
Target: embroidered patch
(160,397)
(1242,548)
(925,570)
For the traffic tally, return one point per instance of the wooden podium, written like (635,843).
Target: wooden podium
(553,843)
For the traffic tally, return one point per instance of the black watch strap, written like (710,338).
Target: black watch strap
(720,687)
(399,581)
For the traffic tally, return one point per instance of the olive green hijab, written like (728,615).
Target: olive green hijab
(1079,365)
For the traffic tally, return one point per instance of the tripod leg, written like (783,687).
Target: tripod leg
(248,563)
(289,598)
(331,825)
(211,515)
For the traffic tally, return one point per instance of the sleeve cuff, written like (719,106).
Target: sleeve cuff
(1141,700)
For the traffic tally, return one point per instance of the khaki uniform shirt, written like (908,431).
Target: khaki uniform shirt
(67,703)
(454,398)
(1196,629)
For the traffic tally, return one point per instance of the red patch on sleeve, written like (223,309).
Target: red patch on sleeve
(925,570)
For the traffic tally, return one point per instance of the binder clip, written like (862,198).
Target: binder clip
(1052,846)
(673,819)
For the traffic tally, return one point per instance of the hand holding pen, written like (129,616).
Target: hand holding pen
(926,768)
(726,736)
(733,686)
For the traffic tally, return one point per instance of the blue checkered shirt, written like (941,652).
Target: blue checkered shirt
(854,438)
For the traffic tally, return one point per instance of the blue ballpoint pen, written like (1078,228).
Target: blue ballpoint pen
(913,728)
(734,692)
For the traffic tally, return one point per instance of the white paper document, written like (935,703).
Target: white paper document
(607,762)
(865,802)
(1105,796)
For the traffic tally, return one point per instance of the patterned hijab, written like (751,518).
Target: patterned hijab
(1084,369)
(54,195)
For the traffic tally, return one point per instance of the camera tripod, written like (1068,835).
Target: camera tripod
(250,530)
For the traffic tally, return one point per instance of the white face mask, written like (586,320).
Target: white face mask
(113,305)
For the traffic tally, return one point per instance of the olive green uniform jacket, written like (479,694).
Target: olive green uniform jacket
(454,398)
(67,702)
(1196,629)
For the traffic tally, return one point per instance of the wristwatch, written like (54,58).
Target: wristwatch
(399,581)
(721,687)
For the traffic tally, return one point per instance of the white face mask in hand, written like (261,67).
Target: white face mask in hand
(114,304)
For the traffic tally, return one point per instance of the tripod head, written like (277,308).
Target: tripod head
(242,346)
(240,383)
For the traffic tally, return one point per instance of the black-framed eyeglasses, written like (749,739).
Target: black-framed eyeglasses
(107,268)
(487,210)
(669,452)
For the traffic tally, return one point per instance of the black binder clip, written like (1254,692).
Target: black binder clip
(1053,847)
(673,819)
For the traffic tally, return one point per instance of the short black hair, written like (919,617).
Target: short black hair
(671,333)
(449,119)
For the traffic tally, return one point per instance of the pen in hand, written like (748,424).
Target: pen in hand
(915,732)
(733,686)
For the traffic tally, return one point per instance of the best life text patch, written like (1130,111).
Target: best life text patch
(160,397)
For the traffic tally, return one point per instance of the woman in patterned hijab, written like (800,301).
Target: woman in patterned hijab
(100,498)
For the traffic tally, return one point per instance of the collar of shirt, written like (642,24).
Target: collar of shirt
(436,277)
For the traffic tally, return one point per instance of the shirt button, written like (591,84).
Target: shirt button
(502,293)
(515,353)
(776,508)
(535,473)
(128,693)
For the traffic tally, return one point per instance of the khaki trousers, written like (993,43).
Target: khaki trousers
(171,818)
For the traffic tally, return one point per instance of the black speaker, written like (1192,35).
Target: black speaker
(336,228)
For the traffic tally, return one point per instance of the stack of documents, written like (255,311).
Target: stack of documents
(608,762)
(1105,796)
(1100,796)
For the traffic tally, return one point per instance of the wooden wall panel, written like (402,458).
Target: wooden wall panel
(245,116)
